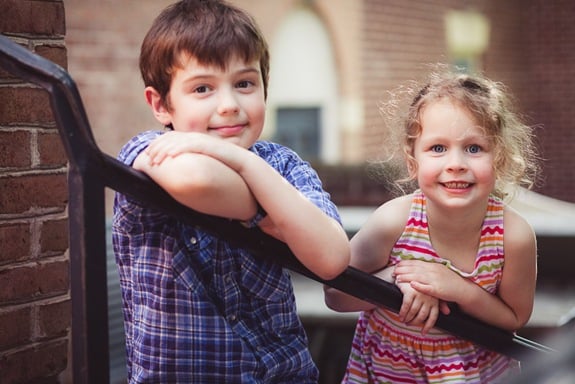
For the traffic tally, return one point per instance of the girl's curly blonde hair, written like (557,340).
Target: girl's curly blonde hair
(515,162)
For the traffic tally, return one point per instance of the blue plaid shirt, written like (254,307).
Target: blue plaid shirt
(197,309)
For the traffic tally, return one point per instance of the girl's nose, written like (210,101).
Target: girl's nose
(456,161)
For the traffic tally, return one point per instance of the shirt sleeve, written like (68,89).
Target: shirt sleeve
(299,173)
(254,221)
(136,145)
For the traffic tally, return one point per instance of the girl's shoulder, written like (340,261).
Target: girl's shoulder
(391,217)
(400,204)
(518,231)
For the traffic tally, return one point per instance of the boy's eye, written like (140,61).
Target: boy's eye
(474,148)
(201,89)
(244,84)
(437,148)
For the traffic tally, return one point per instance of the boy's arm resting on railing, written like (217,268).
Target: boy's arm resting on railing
(218,177)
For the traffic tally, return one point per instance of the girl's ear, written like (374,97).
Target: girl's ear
(160,111)
(412,168)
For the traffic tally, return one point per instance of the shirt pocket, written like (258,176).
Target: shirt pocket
(264,279)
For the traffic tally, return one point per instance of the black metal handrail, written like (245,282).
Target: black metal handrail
(91,170)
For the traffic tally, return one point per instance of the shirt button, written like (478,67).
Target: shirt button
(232,318)
(228,279)
(193,240)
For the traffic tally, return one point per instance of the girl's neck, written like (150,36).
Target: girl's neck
(458,219)
(455,233)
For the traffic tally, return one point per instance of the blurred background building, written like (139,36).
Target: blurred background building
(333,61)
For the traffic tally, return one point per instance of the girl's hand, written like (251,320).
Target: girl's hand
(431,278)
(418,308)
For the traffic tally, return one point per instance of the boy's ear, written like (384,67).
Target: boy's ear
(159,109)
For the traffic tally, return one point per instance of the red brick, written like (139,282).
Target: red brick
(33,17)
(54,319)
(36,364)
(53,52)
(51,149)
(14,242)
(23,284)
(54,237)
(24,106)
(15,329)
(15,149)
(20,194)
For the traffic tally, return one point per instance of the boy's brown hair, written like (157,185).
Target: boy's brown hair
(212,31)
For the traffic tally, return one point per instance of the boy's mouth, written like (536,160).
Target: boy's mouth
(228,130)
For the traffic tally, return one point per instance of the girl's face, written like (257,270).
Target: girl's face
(454,157)
(228,103)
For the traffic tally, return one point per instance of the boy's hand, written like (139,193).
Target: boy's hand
(171,144)
(174,143)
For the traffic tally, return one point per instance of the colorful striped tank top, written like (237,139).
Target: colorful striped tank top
(385,350)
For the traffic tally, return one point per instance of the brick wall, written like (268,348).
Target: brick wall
(549,90)
(531,50)
(34,277)
(402,40)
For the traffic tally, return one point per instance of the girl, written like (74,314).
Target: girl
(453,240)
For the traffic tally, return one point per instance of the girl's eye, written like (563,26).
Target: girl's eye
(437,148)
(474,148)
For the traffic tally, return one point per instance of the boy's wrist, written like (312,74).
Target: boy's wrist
(254,221)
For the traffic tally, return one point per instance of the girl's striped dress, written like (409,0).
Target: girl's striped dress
(385,350)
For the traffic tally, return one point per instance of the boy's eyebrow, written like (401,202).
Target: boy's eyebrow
(250,69)
(208,75)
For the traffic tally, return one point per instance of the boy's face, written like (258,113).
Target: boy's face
(229,103)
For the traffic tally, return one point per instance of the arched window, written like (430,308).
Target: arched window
(302,101)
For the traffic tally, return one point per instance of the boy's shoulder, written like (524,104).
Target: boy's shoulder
(136,145)
(270,148)
(276,154)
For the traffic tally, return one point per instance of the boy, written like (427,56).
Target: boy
(196,308)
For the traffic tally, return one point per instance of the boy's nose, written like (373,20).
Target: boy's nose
(228,103)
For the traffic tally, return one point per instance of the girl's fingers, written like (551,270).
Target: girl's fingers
(431,320)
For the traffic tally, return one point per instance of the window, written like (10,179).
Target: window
(299,129)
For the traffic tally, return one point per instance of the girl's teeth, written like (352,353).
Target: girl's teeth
(457,185)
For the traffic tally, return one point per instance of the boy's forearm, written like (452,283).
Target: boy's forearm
(203,184)
(316,239)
